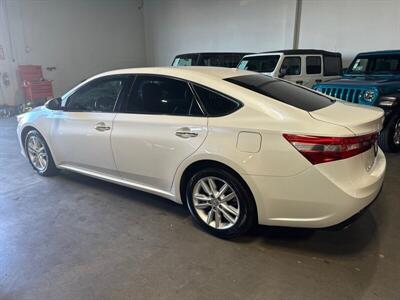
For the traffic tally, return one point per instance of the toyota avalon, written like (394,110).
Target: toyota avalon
(236,147)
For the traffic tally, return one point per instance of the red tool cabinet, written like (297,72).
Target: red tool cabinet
(35,87)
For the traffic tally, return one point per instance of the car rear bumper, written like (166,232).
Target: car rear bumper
(322,196)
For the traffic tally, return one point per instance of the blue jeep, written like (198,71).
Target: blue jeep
(373,78)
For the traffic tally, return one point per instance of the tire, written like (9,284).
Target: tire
(222,216)
(389,139)
(39,154)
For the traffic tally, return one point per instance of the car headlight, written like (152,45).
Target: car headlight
(369,95)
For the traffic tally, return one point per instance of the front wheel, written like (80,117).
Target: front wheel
(220,203)
(389,139)
(39,154)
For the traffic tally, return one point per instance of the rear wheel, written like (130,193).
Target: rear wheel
(39,154)
(220,203)
(389,139)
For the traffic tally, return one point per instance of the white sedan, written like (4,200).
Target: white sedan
(236,147)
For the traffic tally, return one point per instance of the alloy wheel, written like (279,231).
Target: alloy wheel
(216,203)
(37,153)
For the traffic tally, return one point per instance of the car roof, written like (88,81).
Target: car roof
(213,53)
(303,51)
(188,73)
(381,52)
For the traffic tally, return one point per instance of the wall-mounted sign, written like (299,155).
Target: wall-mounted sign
(2,56)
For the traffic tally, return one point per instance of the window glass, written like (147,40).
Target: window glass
(376,64)
(235,58)
(332,66)
(98,96)
(215,60)
(184,60)
(282,91)
(214,103)
(162,95)
(262,64)
(230,60)
(292,65)
(313,64)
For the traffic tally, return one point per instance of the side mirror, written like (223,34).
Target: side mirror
(54,104)
(282,72)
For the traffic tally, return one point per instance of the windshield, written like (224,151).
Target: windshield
(262,64)
(374,64)
(185,60)
(283,91)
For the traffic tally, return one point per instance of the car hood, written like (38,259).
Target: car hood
(377,81)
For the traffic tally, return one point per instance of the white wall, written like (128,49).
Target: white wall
(178,26)
(79,38)
(84,37)
(350,26)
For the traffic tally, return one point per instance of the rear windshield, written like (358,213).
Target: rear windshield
(262,64)
(283,91)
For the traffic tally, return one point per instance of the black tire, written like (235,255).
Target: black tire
(247,215)
(50,169)
(386,138)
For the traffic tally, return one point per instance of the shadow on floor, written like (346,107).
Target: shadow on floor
(349,240)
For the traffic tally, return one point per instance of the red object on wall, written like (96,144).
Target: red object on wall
(35,87)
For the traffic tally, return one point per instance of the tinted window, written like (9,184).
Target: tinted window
(98,96)
(292,65)
(214,103)
(162,95)
(262,64)
(332,66)
(375,64)
(234,60)
(283,91)
(185,60)
(313,64)
(211,60)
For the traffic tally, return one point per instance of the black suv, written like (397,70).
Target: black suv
(215,59)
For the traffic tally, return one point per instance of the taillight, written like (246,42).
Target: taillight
(318,149)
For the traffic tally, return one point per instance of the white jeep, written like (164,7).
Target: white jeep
(303,66)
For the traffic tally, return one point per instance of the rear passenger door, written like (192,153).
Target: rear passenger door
(332,67)
(313,70)
(159,125)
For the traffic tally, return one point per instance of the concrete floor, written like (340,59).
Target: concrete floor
(73,237)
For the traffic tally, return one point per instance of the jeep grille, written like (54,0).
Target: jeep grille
(347,94)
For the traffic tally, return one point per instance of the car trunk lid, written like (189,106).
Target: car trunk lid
(357,118)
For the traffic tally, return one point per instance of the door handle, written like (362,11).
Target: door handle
(185,133)
(318,80)
(101,126)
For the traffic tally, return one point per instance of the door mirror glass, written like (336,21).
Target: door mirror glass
(282,72)
(54,104)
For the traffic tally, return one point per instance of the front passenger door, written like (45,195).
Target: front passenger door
(291,68)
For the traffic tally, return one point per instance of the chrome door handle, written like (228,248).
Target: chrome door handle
(186,133)
(101,126)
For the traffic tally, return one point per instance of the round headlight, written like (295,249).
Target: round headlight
(369,95)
